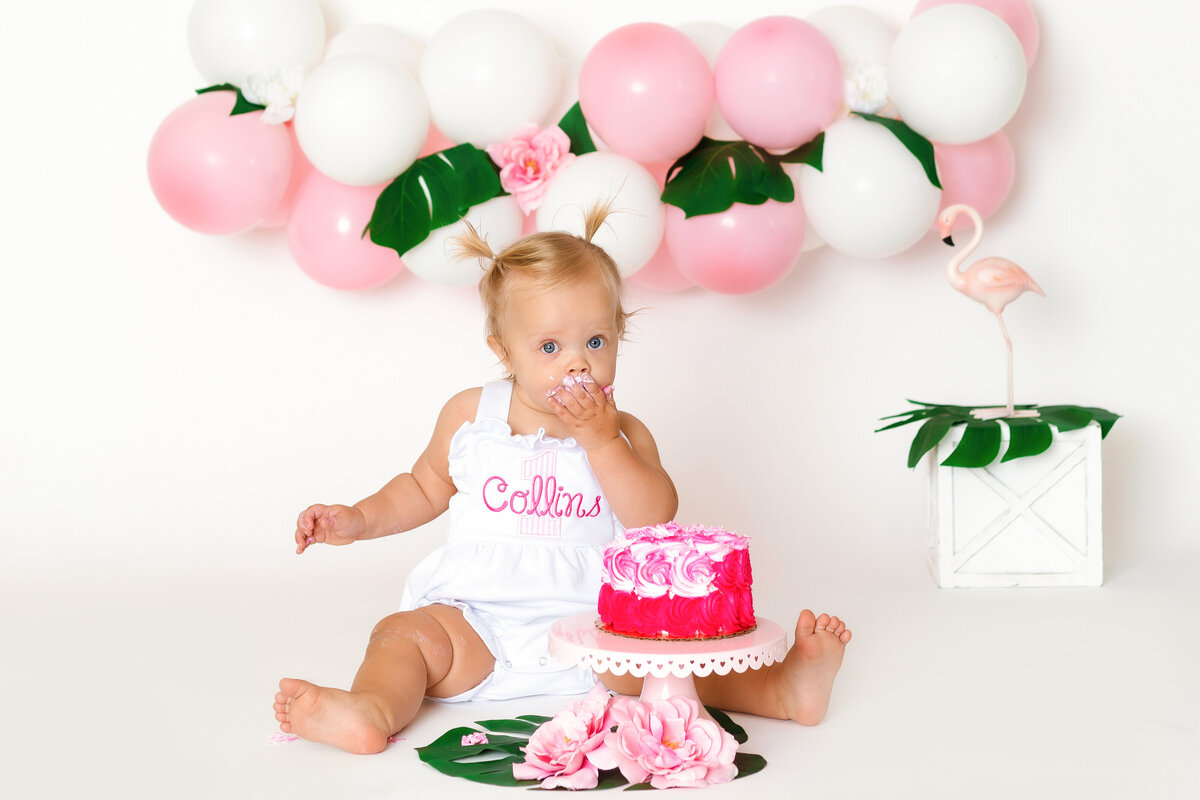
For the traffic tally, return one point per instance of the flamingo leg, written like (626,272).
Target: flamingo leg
(1008,345)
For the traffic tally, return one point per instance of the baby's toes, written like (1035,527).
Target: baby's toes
(845,636)
(835,626)
(823,622)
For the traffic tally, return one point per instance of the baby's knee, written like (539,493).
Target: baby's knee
(416,627)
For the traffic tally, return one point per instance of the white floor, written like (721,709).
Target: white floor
(129,687)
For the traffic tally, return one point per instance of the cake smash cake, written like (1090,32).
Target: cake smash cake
(676,582)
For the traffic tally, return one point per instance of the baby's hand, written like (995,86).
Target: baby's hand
(328,524)
(587,409)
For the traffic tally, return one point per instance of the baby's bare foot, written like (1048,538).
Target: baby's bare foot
(804,679)
(352,722)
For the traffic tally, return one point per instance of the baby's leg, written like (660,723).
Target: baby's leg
(797,688)
(432,650)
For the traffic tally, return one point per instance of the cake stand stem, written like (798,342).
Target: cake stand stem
(655,689)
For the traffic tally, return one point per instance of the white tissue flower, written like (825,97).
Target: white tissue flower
(866,87)
(277,90)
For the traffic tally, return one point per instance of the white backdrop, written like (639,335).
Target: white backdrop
(171,401)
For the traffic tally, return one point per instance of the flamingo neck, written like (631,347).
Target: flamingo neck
(952,267)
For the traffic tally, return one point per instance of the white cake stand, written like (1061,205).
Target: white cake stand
(669,668)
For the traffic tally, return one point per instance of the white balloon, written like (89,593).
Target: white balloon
(863,41)
(633,232)
(710,37)
(360,119)
(488,74)
(957,73)
(858,35)
(498,220)
(231,40)
(873,199)
(382,40)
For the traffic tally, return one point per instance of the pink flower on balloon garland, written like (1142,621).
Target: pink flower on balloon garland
(560,751)
(528,162)
(667,742)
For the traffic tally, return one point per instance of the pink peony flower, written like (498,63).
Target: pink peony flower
(529,161)
(668,743)
(560,751)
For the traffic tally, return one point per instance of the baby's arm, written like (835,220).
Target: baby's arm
(637,487)
(406,502)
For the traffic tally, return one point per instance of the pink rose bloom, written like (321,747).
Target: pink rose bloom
(529,161)
(559,751)
(668,743)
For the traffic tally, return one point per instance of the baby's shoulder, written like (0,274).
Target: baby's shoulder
(461,407)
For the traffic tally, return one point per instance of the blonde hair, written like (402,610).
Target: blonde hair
(546,259)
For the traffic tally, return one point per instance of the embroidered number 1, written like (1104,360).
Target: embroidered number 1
(533,525)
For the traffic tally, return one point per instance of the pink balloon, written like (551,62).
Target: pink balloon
(215,173)
(1016,13)
(325,235)
(779,82)
(647,91)
(300,169)
(659,172)
(661,273)
(978,174)
(741,250)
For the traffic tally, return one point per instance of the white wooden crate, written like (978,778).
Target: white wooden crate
(1032,521)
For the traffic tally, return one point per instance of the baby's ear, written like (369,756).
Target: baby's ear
(498,349)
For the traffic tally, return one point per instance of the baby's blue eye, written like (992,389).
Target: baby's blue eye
(550,348)
(595,343)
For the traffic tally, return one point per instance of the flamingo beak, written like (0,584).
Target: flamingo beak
(948,240)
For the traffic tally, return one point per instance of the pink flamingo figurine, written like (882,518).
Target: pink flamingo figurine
(995,282)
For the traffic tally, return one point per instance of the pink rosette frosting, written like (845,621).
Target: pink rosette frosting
(692,574)
(529,160)
(560,752)
(745,610)
(653,576)
(669,743)
(734,571)
(679,582)
(619,570)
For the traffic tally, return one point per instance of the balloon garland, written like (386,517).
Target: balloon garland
(725,150)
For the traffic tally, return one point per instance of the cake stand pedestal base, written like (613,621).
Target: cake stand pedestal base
(669,668)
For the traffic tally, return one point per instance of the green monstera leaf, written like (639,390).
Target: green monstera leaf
(717,174)
(241,105)
(981,441)
(491,761)
(436,190)
(917,144)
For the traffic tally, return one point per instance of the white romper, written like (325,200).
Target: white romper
(527,528)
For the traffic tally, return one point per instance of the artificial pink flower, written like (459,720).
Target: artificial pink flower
(668,743)
(528,162)
(559,751)
(478,737)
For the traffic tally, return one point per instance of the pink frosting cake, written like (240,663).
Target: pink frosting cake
(674,582)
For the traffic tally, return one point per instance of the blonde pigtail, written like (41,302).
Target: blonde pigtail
(595,217)
(470,244)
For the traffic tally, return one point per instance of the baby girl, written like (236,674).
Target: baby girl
(539,472)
